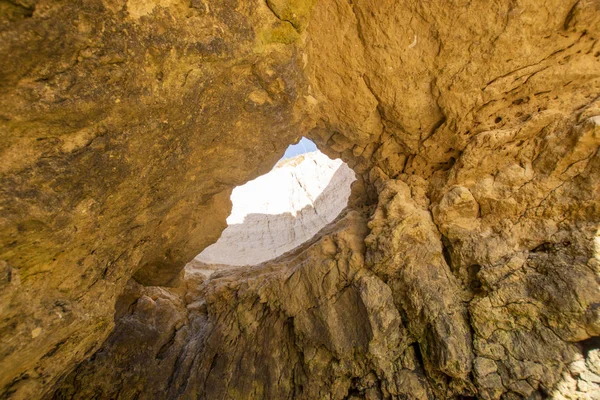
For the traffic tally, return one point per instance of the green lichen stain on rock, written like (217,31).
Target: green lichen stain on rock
(283,33)
(297,12)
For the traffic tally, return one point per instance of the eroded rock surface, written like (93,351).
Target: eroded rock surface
(467,265)
(108,110)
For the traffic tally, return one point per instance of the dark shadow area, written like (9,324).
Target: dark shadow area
(588,345)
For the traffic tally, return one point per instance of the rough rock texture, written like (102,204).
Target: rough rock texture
(279,211)
(467,266)
(119,122)
(582,377)
(287,320)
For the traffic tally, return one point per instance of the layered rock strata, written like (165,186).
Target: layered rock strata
(468,262)
(279,211)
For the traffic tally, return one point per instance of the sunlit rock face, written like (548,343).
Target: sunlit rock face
(282,209)
(466,264)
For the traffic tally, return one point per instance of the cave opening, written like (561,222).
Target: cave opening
(280,210)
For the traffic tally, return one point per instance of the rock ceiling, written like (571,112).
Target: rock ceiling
(467,262)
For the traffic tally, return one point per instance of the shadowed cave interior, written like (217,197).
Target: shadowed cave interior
(463,264)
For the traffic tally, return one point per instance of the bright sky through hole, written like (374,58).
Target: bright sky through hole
(280,210)
(303,146)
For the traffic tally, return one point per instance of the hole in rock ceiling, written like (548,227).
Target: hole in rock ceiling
(279,211)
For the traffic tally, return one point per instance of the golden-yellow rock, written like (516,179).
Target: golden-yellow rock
(466,265)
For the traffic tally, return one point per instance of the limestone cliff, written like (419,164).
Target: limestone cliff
(279,211)
(467,265)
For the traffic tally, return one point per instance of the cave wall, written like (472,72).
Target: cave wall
(467,266)
(120,124)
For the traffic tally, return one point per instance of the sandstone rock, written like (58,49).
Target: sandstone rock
(109,108)
(295,308)
(405,248)
(466,266)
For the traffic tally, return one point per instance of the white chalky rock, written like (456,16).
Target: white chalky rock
(280,210)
